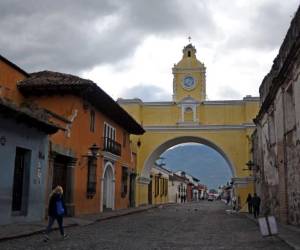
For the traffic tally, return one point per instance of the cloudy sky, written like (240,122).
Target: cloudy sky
(128,47)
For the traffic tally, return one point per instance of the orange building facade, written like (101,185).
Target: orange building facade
(91,155)
(10,75)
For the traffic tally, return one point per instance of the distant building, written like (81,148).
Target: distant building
(158,186)
(177,188)
(192,186)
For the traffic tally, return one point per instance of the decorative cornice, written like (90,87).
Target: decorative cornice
(198,127)
(158,103)
(126,101)
(198,69)
(109,156)
(243,180)
(170,103)
(143,180)
(232,102)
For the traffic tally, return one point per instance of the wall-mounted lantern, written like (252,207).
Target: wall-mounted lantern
(94,149)
(2,140)
(251,166)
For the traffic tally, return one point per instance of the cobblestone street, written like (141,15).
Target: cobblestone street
(203,225)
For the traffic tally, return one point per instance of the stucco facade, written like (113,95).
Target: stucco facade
(177,188)
(276,142)
(158,192)
(35,142)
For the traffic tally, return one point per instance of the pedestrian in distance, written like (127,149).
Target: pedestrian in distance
(249,201)
(256,205)
(234,203)
(227,199)
(56,211)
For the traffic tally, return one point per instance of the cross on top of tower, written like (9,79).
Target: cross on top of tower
(189,39)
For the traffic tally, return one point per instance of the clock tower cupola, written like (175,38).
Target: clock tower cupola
(189,77)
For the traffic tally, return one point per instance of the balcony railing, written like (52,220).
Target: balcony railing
(111,146)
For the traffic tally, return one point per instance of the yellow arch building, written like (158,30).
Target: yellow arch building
(225,126)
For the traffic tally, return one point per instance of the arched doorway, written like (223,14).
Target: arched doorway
(108,187)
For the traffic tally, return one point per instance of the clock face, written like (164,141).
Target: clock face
(188,82)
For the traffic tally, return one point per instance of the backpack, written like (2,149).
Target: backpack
(60,208)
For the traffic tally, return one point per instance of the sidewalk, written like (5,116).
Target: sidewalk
(287,233)
(19,230)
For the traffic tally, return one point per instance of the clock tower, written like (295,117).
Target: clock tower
(189,77)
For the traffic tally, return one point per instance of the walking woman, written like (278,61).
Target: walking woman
(56,211)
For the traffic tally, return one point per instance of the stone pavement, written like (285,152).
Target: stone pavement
(289,234)
(18,230)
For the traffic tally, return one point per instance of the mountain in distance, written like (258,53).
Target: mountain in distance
(200,161)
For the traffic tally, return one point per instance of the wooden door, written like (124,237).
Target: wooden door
(150,192)
(59,174)
(21,180)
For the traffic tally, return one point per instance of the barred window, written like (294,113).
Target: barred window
(162,187)
(92,121)
(166,187)
(124,182)
(91,178)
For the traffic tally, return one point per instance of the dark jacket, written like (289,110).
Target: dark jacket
(249,200)
(256,201)
(52,210)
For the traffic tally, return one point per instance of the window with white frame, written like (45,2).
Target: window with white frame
(109,135)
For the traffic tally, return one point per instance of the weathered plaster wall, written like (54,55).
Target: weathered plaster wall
(19,135)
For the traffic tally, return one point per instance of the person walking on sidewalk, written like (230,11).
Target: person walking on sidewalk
(249,201)
(56,211)
(256,205)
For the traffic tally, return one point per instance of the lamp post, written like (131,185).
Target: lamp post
(94,149)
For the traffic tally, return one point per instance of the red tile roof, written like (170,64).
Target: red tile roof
(54,83)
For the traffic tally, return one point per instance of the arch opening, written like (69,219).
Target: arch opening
(150,161)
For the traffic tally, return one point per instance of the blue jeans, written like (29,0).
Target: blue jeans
(59,222)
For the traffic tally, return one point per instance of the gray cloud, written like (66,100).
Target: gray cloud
(65,35)
(265,29)
(146,92)
(228,93)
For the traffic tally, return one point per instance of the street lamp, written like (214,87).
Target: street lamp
(251,165)
(94,149)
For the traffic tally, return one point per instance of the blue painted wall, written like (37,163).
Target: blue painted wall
(20,135)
